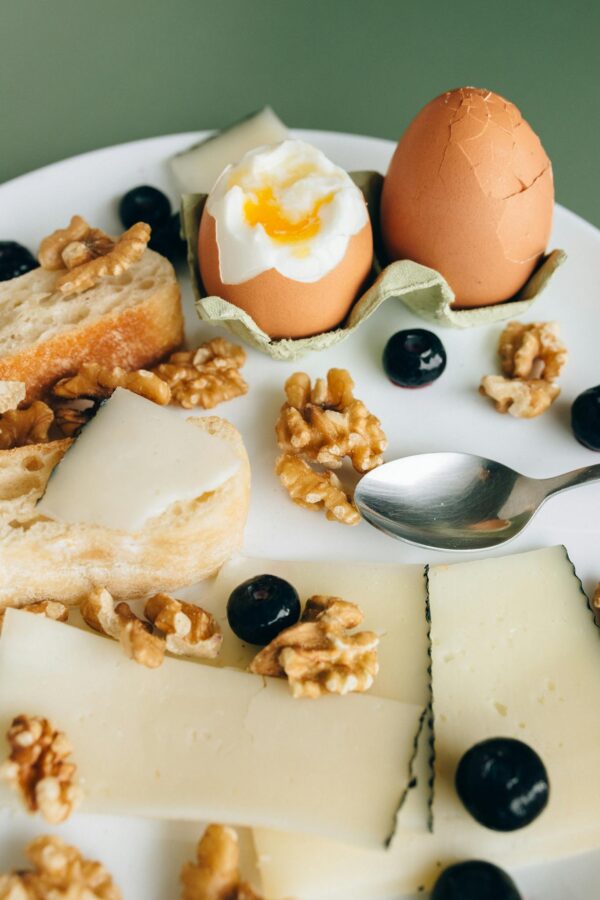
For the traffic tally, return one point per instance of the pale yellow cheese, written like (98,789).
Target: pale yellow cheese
(189,741)
(516,653)
(393,600)
(197,168)
(513,645)
(131,462)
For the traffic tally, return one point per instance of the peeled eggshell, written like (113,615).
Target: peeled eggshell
(470,193)
(284,308)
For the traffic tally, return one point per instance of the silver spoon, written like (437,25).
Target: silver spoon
(456,501)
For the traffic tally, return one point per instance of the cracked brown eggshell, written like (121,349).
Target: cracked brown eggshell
(470,193)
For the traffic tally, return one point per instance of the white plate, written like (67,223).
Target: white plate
(145,857)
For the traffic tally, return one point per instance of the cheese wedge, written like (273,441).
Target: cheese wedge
(189,741)
(197,168)
(515,652)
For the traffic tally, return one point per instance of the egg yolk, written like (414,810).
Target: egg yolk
(264,209)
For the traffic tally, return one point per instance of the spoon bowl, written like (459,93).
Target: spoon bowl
(456,501)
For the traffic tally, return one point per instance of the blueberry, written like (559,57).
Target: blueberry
(585,418)
(145,204)
(503,783)
(167,240)
(475,880)
(15,260)
(261,607)
(414,357)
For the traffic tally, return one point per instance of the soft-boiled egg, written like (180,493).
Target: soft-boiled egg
(469,192)
(286,236)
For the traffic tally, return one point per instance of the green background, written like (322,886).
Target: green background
(77,74)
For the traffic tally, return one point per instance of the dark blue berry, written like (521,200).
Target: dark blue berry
(15,260)
(261,607)
(503,783)
(585,418)
(167,240)
(145,204)
(475,880)
(414,357)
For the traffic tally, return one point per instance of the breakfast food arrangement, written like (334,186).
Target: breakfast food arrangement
(200,390)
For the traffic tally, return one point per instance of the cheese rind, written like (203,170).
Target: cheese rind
(189,741)
(131,462)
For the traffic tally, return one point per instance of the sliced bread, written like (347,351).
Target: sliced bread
(130,320)
(45,559)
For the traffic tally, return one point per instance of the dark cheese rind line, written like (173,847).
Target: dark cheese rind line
(431,723)
(411,780)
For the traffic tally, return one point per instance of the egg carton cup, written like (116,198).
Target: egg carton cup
(422,289)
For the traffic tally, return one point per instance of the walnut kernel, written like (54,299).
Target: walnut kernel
(37,767)
(207,376)
(316,490)
(59,871)
(140,645)
(216,875)
(189,630)
(95,382)
(319,655)
(522,398)
(88,254)
(21,427)
(532,351)
(326,423)
(120,622)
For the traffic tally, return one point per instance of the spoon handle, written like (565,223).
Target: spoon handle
(570,480)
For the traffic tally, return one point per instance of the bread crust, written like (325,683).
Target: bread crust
(44,559)
(135,337)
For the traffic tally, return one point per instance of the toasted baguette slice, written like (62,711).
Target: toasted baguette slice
(45,559)
(130,320)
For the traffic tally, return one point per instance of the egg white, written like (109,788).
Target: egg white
(300,177)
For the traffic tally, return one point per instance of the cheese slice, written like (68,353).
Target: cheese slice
(188,741)
(393,600)
(132,461)
(515,652)
(197,168)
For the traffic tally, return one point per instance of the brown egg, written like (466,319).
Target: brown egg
(284,308)
(469,192)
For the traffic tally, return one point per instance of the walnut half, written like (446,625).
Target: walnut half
(215,875)
(38,768)
(521,398)
(59,871)
(325,423)
(121,623)
(207,376)
(532,357)
(532,351)
(95,382)
(189,630)
(88,254)
(319,655)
